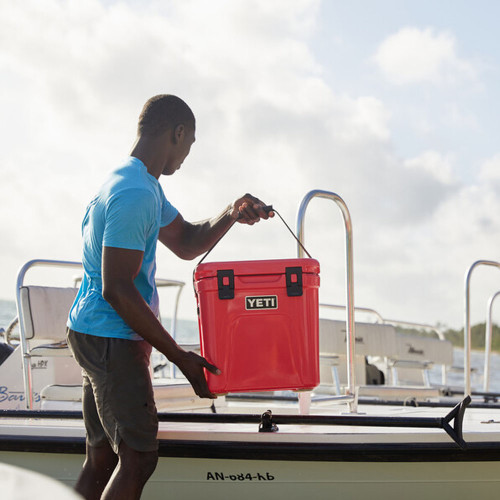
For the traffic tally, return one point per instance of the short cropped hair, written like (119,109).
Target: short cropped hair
(163,112)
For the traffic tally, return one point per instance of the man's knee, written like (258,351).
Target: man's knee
(101,457)
(142,463)
(148,461)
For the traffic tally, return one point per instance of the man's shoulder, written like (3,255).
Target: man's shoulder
(128,177)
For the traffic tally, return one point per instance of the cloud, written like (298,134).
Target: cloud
(75,75)
(490,171)
(415,55)
(438,166)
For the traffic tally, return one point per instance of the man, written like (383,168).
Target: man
(113,322)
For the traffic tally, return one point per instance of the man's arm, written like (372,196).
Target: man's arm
(119,268)
(188,240)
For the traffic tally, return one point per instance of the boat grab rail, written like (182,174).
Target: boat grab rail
(487,342)
(349,280)
(9,336)
(396,322)
(467,322)
(28,393)
(269,423)
(365,310)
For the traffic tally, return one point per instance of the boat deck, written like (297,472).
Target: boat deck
(229,424)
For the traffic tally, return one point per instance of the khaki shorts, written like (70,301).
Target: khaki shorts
(118,400)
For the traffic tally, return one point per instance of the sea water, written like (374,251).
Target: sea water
(7,312)
(187,333)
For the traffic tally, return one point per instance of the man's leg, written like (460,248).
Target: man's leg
(99,465)
(101,460)
(129,477)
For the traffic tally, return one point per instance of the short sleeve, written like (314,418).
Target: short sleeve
(130,216)
(168,211)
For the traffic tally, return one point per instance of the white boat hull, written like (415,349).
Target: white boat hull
(217,460)
(187,478)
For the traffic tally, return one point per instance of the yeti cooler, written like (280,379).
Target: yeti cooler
(258,323)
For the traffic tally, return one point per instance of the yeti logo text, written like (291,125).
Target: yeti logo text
(265,302)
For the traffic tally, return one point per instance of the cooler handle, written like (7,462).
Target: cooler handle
(267,209)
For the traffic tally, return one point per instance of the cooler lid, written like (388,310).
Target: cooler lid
(255,267)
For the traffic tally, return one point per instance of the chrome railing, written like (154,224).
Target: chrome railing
(28,382)
(351,385)
(363,310)
(467,325)
(487,342)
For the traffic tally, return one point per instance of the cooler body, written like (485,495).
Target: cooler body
(258,323)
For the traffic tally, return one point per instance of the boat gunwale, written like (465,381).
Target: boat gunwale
(278,451)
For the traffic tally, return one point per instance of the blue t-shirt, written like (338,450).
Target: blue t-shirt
(127,213)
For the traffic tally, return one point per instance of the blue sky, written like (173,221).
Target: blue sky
(347,39)
(390,104)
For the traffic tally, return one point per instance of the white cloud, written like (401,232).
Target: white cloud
(490,170)
(415,55)
(434,163)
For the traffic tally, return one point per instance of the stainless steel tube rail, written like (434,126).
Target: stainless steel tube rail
(467,326)
(161,282)
(365,310)
(28,393)
(487,342)
(396,322)
(350,340)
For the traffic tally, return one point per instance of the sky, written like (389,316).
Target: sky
(391,105)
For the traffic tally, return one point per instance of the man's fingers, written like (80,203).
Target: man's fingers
(203,392)
(196,376)
(200,386)
(250,210)
(252,213)
(211,368)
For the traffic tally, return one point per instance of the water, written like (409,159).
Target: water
(7,312)
(187,332)
(456,378)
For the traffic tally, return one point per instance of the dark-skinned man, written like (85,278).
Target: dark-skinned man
(113,323)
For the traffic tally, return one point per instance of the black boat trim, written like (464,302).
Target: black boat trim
(306,452)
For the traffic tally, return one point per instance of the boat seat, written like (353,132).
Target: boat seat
(407,359)
(169,395)
(415,356)
(372,339)
(424,349)
(57,392)
(399,393)
(178,395)
(43,313)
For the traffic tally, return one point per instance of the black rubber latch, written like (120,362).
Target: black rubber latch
(225,283)
(266,422)
(293,281)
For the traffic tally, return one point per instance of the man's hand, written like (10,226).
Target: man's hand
(191,365)
(249,210)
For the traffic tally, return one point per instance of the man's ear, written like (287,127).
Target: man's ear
(179,133)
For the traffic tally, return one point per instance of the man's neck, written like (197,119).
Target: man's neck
(150,150)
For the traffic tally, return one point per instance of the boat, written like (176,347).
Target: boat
(374,427)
